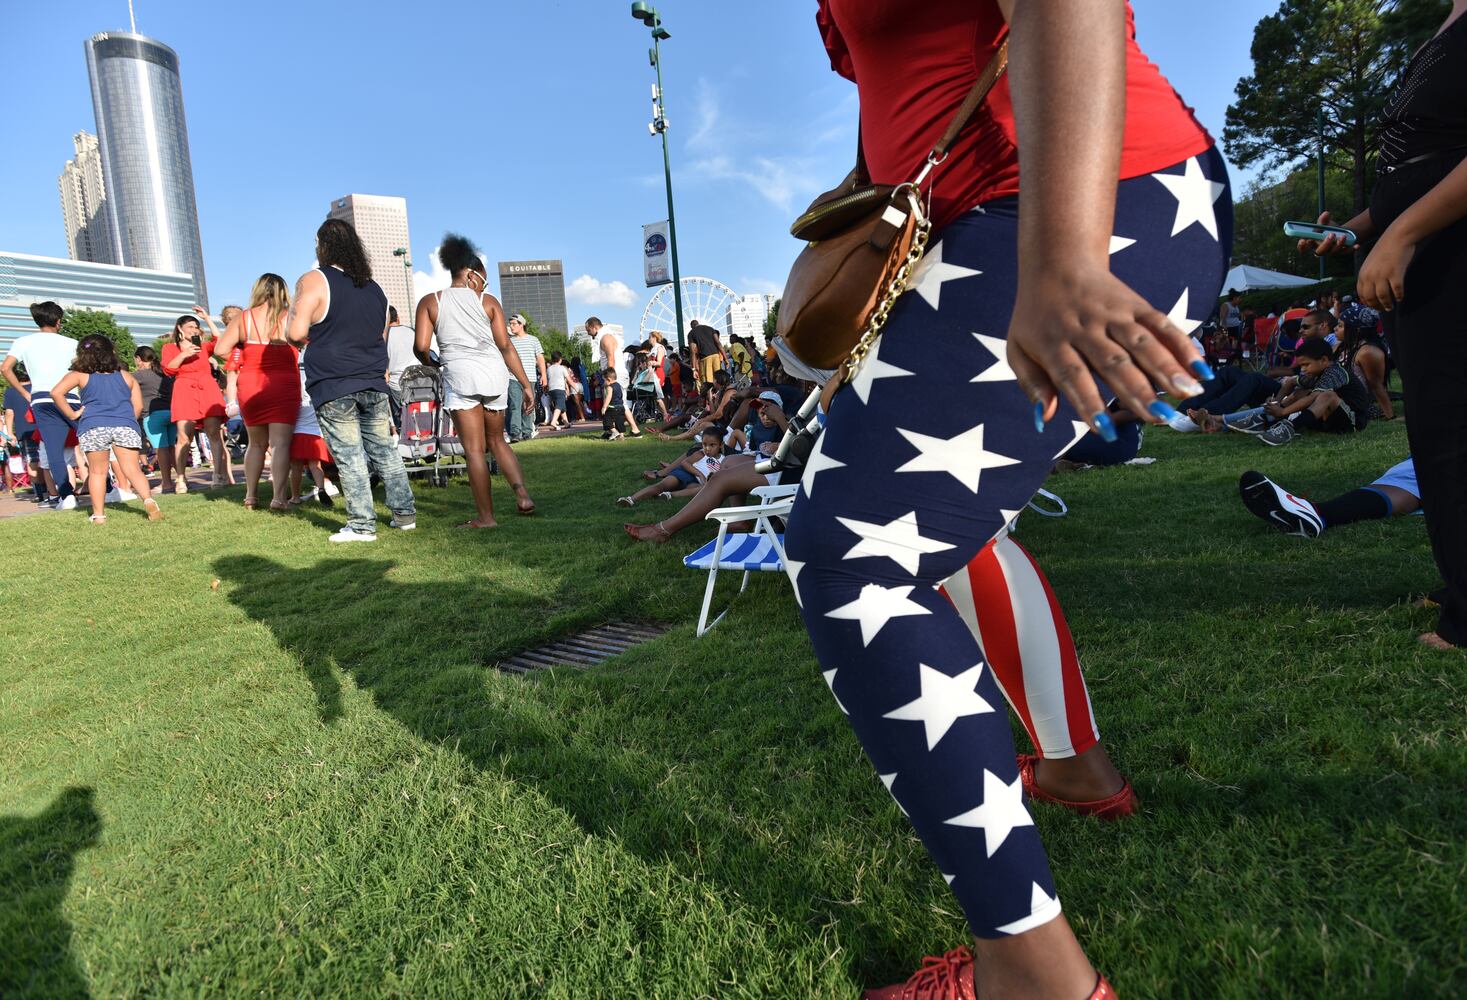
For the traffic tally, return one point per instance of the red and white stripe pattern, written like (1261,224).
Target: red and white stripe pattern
(1007,603)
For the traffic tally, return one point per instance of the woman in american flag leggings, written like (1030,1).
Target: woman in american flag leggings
(926,457)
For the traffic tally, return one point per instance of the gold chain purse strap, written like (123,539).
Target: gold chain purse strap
(923,231)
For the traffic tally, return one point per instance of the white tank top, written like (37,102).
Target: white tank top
(615,359)
(462,325)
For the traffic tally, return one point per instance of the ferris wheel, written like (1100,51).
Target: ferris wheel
(704,300)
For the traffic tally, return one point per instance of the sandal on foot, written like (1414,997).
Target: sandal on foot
(633,531)
(950,977)
(151,506)
(1120,804)
(97,518)
(625,502)
(279,505)
(250,503)
(664,495)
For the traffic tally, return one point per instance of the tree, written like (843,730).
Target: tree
(78,323)
(553,340)
(771,321)
(1258,231)
(1329,62)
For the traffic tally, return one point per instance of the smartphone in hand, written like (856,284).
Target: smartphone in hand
(1317,231)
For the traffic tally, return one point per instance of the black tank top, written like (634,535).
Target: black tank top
(347,352)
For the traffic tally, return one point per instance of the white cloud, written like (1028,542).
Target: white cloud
(760,286)
(435,279)
(600,293)
(778,182)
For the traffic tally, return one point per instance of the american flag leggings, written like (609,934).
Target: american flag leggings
(926,457)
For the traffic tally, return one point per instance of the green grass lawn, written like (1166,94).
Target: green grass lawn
(311,781)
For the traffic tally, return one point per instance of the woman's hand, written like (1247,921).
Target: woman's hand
(1382,279)
(187,349)
(1066,323)
(1362,226)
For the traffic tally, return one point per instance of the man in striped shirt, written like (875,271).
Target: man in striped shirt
(519,424)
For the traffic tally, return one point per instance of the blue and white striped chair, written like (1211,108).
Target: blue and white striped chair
(757,551)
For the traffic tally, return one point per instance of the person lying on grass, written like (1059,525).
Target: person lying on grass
(687,476)
(1393,494)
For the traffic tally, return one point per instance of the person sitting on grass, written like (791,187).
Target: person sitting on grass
(1364,351)
(723,400)
(687,476)
(107,422)
(762,434)
(736,477)
(1326,397)
(1394,493)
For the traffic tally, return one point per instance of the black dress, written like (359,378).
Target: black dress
(1424,138)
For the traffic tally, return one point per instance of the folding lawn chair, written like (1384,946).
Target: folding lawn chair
(757,551)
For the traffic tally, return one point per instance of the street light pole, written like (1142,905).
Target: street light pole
(1320,122)
(407,269)
(649,16)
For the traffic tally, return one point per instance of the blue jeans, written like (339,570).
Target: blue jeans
(53,428)
(517,422)
(355,429)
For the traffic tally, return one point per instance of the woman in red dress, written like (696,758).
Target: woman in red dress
(197,399)
(269,385)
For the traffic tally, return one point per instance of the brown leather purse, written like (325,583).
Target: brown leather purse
(864,239)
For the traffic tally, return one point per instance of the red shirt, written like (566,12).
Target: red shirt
(913,64)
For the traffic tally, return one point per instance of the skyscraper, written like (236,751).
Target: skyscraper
(382,223)
(152,217)
(82,203)
(746,315)
(535,288)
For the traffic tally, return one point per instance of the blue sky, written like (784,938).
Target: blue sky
(521,125)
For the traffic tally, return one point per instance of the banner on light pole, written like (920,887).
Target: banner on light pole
(656,255)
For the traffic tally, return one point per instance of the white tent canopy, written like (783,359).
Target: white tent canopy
(1247,278)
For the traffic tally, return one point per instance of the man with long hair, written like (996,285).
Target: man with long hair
(343,315)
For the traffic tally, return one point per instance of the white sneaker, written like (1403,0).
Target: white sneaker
(1290,514)
(1183,424)
(351,535)
(112,496)
(402,525)
(69,503)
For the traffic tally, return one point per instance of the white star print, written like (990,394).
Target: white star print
(1119,243)
(1042,909)
(931,274)
(792,569)
(962,456)
(829,676)
(999,371)
(1195,196)
(888,780)
(1080,429)
(948,878)
(816,464)
(898,540)
(1178,316)
(944,700)
(1002,810)
(872,369)
(876,606)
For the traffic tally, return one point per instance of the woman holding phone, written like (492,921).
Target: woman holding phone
(197,398)
(1414,273)
(1081,228)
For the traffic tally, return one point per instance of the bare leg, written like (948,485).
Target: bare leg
(214,431)
(471,424)
(667,485)
(181,449)
(165,467)
(509,462)
(133,470)
(97,481)
(1044,963)
(280,435)
(254,460)
(296,468)
(736,478)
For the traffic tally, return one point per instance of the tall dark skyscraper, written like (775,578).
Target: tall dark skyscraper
(152,217)
(535,288)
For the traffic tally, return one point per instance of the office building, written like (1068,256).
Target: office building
(746,315)
(82,208)
(146,302)
(535,288)
(381,222)
(152,216)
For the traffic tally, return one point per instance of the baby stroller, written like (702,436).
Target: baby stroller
(427,436)
(643,390)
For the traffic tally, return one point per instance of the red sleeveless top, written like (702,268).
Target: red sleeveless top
(913,64)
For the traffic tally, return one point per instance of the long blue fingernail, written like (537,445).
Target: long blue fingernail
(1104,426)
(1039,417)
(1202,370)
(1162,411)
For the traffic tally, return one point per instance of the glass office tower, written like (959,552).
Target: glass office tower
(152,218)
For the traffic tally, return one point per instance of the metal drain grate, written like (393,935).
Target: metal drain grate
(584,649)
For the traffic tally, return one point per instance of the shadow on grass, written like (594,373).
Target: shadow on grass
(37,856)
(612,788)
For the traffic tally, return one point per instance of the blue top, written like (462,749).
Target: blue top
(347,353)
(107,402)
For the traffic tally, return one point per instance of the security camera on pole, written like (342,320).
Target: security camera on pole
(658,126)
